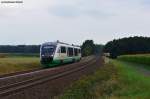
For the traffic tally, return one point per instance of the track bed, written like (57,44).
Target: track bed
(45,83)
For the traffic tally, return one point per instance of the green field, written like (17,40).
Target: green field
(115,80)
(10,63)
(139,58)
(143,59)
(133,84)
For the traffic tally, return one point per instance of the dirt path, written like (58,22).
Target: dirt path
(140,68)
(106,60)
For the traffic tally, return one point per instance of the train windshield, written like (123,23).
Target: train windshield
(48,49)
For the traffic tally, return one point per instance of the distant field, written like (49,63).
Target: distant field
(10,63)
(139,58)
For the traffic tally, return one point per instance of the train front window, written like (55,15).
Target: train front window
(48,49)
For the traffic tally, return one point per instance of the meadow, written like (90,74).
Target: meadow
(143,59)
(115,80)
(10,63)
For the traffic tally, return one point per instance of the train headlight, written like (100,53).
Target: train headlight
(43,55)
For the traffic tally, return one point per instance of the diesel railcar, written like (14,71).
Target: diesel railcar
(55,53)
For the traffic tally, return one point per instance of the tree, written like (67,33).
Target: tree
(88,48)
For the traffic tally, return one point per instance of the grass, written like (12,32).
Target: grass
(116,80)
(100,84)
(11,63)
(133,84)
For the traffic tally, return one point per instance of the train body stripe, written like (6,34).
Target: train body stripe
(56,62)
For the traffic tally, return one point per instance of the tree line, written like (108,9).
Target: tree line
(88,48)
(130,45)
(19,48)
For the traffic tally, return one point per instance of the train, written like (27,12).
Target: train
(56,53)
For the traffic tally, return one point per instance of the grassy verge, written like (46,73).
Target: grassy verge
(116,80)
(15,64)
(100,84)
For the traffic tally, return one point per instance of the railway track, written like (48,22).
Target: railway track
(15,87)
(19,72)
(7,80)
(30,71)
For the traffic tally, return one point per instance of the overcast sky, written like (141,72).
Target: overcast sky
(73,21)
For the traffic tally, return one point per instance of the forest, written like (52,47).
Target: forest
(88,48)
(19,48)
(130,45)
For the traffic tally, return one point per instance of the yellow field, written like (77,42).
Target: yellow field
(14,64)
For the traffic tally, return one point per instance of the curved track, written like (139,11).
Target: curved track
(30,79)
(33,70)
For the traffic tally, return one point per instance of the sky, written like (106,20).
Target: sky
(73,21)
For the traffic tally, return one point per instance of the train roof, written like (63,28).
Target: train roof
(58,42)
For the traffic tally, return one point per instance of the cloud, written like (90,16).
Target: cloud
(73,21)
(80,9)
(65,11)
(146,2)
(98,14)
(70,11)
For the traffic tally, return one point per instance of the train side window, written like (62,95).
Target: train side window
(76,52)
(63,49)
(70,51)
(79,50)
